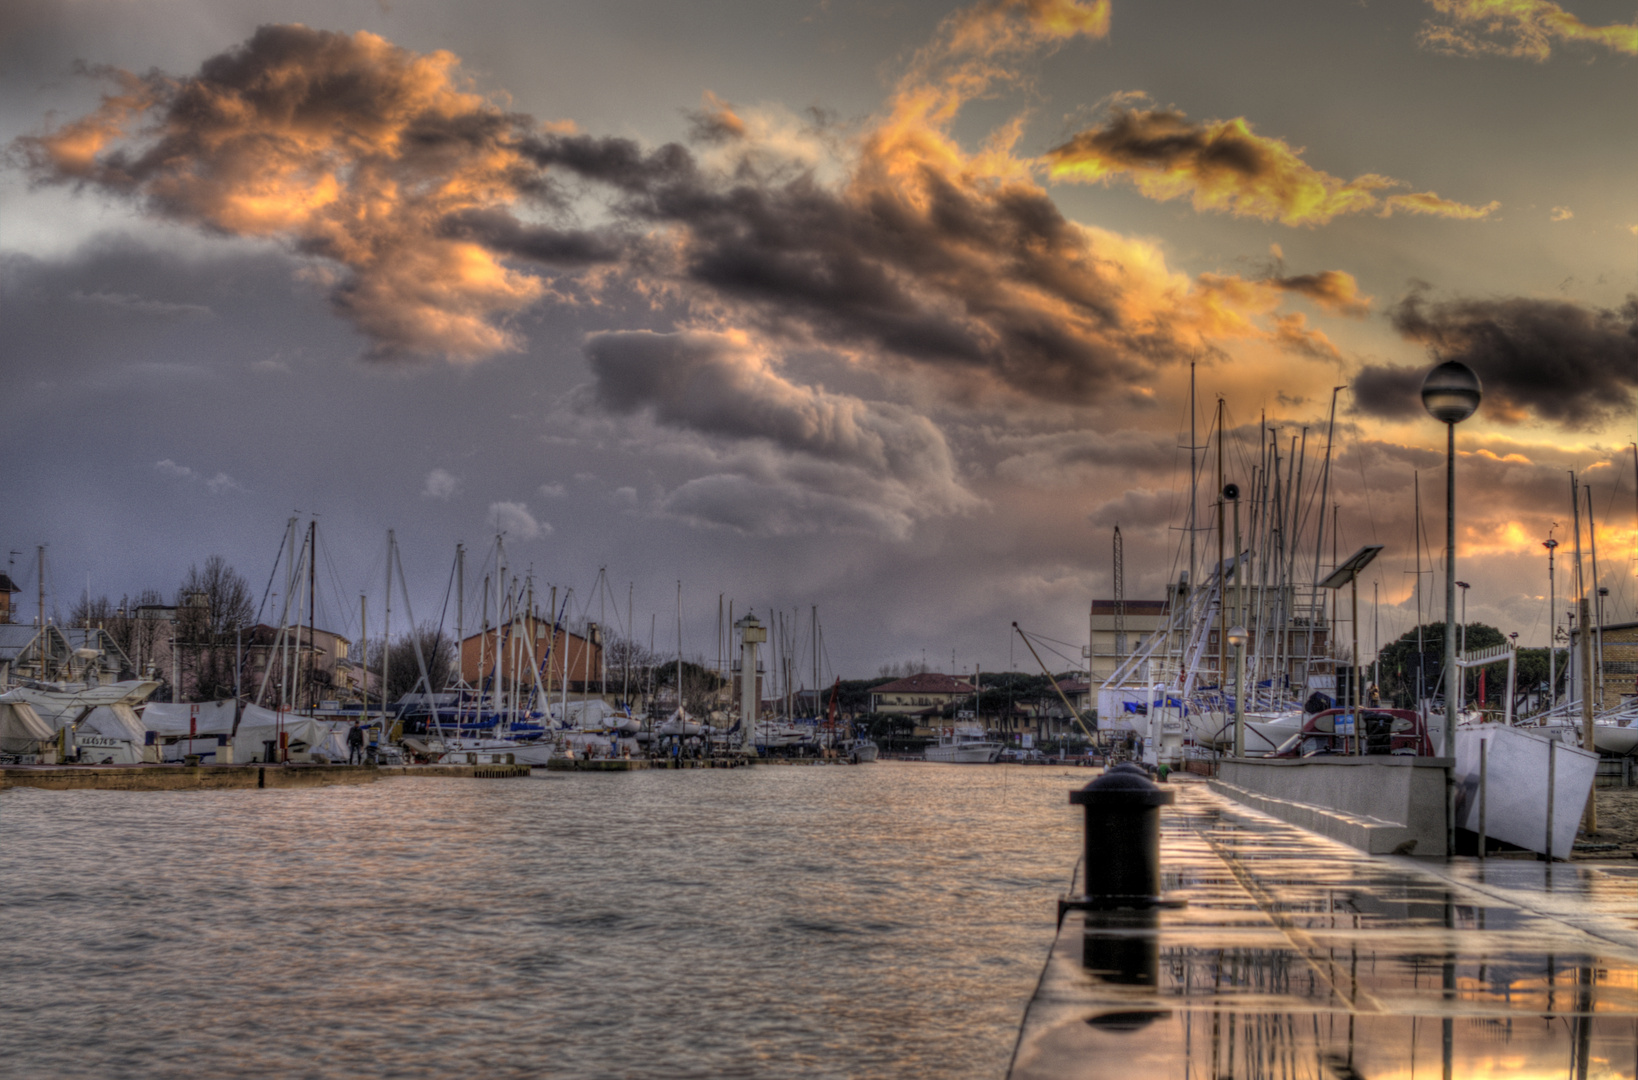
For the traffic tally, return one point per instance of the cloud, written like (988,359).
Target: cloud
(140,305)
(1228,167)
(1561,213)
(515,520)
(352,151)
(1519,28)
(551,491)
(1335,291)
(440,484)
(1555,360)
(215,484)
(433,217)
(885,464)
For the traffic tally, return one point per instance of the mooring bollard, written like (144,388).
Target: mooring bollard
(1120,876)
(1121,864)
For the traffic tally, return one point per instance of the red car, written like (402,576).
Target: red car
(1386,731)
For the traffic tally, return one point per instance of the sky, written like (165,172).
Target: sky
(889,308)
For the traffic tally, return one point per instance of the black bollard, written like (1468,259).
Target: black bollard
(1122,844)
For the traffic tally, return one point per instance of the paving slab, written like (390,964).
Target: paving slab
(1296,956)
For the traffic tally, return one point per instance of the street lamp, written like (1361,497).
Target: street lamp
(1237,637)
(1450,394)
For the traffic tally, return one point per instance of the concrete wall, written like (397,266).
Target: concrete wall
(184,777)
(1376,804)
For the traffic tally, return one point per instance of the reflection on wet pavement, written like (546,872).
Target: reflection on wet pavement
(1298,957)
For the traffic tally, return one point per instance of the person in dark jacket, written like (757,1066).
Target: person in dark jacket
(355,745)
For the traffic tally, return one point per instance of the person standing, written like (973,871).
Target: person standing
(355,745)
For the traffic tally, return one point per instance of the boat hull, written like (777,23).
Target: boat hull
(967,754)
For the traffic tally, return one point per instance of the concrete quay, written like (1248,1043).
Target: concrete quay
(182,777)
(1294,955)
(497,771)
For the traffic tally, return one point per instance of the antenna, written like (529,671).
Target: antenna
(1120,598)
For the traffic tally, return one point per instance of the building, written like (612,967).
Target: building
(8,589)
(926,694)
(1619,671)
(321,661)
(537,643)
(1111,646)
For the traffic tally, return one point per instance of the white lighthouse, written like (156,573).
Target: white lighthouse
(751,634)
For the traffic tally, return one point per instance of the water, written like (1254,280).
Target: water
(881,920)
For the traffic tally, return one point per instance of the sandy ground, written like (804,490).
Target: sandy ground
(1617,824)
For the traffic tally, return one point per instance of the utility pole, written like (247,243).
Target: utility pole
(1120,599)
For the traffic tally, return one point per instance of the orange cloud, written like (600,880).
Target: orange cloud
(1226,166)
(350,149)
(1518,28)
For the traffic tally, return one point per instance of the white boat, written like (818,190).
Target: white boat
(860,751)
(62,705)
(965,744)
(1516,786)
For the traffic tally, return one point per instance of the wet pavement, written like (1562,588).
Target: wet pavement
(1294,956)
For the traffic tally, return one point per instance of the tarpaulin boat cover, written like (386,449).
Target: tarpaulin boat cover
(21,729)
(171,718)
(114,721)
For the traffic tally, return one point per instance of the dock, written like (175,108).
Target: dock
(497,771)
(1281,953)
(183,777)
(563,764)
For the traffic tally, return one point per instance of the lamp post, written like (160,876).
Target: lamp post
(1552,630)
(1237,637)
(1450,394)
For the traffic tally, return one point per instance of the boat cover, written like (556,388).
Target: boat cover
(21,729)
(171,718)
(115,721)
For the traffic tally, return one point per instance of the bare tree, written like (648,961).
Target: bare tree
(212,605)
(404,670)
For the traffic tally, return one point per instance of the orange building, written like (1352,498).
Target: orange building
(535,642)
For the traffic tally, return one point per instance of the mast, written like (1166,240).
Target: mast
(1580,585)
(625,684)
(1222,576)
(312,614)
(1318,600)
(1194,479)
(1416,542)
(363,643)
(460,618)
(680,714)
(386,636)
(1597,629)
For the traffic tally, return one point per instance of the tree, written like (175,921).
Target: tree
(211,606)
(404,670)
(1401,663)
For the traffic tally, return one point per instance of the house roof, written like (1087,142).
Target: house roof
(1074,685)
(928,682)
(7,585)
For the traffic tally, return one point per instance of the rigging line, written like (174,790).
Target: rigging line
(1039,637)
(335,585)
(271,575)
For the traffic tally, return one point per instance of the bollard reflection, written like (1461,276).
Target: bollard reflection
(1121,946)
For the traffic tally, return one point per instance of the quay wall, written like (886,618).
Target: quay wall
(183,777)
(1378,804)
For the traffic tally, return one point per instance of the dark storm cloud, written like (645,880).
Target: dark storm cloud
(1559,361)
(1226,166)
(406,192)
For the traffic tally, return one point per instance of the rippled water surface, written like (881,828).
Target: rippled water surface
(886,920)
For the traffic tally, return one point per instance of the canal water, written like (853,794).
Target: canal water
(886,920)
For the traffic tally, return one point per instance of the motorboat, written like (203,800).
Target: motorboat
(964,744)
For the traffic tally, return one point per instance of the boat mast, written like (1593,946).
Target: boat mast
(1317,601)
(1580,586)
(312,614)
(460,619)
(680,714)
(386,636)
(1222,574)
(1597,600)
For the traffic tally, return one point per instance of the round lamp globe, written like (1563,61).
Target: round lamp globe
(1451,392)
